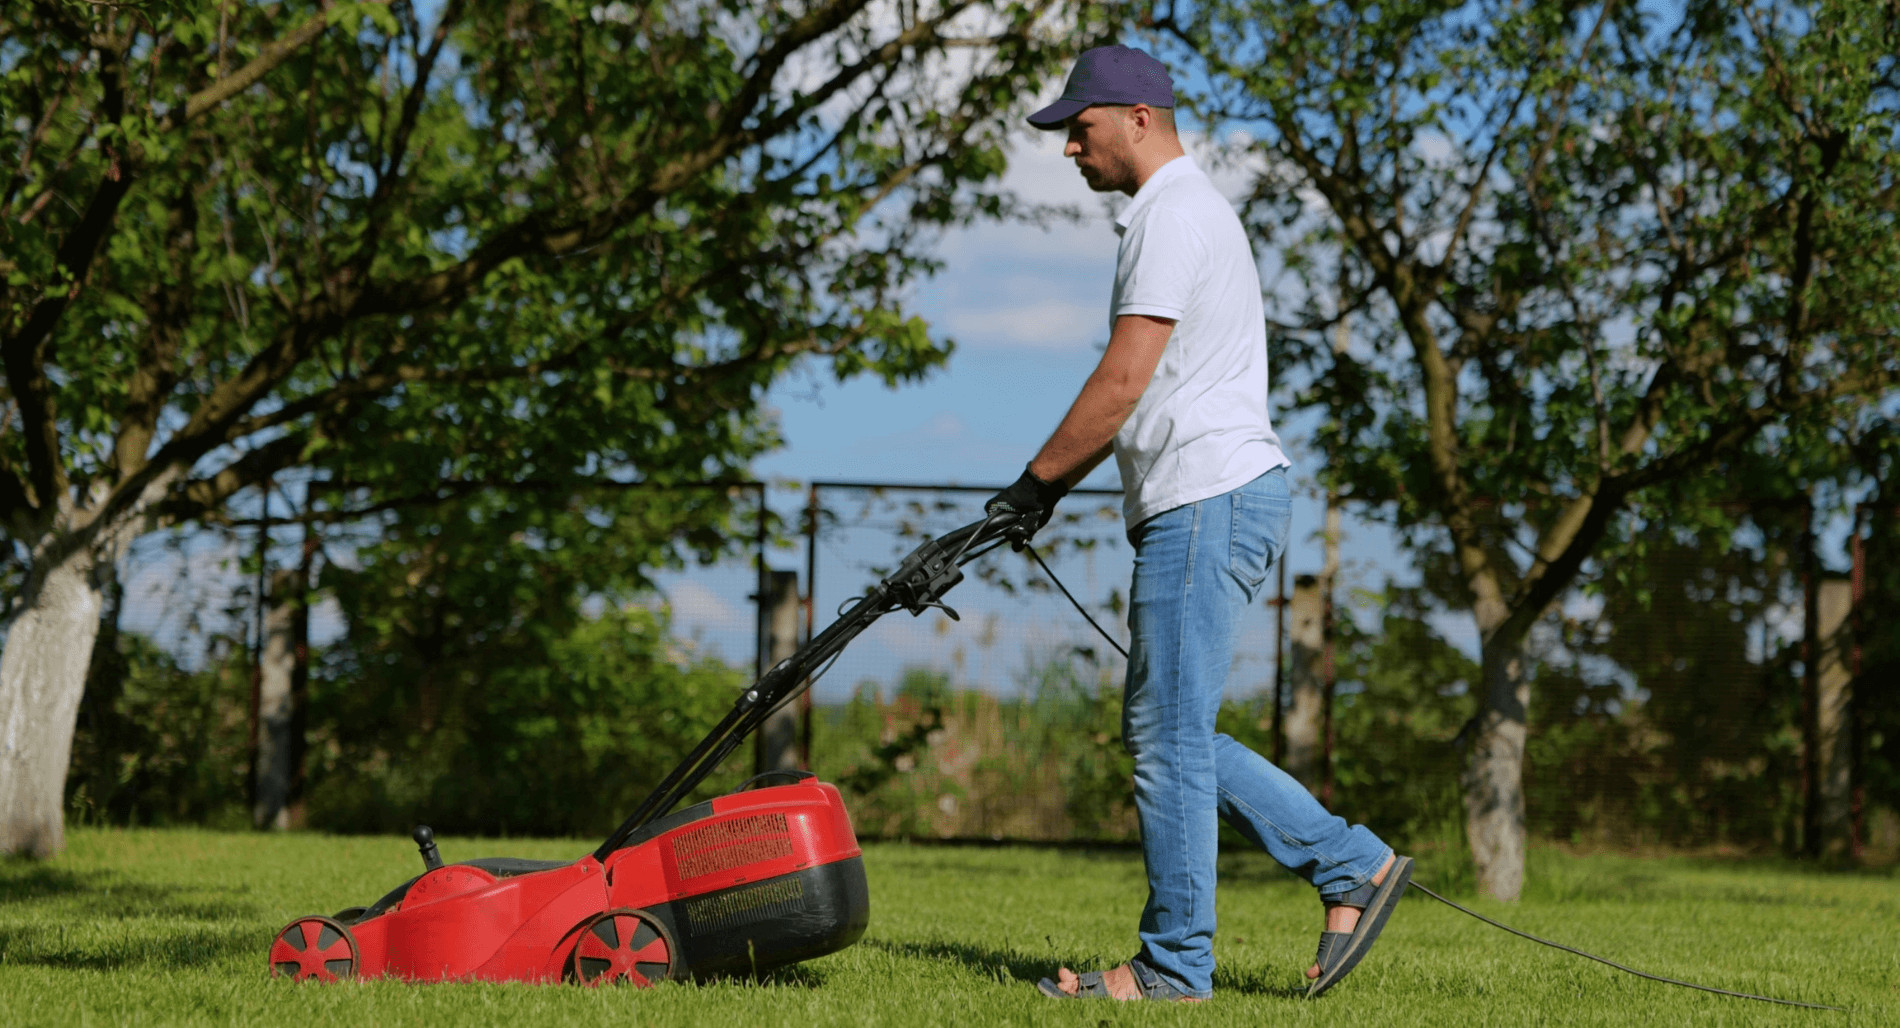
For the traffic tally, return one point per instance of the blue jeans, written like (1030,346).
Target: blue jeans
(1196,569)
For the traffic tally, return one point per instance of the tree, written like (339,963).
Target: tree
(534,244)
(476,679)
(1595,255)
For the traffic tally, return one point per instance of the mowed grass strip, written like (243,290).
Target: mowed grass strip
(171,927)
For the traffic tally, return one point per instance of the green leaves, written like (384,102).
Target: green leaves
(1587,253)
(354,12)
(473,686)
(489,243)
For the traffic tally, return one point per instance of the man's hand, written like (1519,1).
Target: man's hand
(1033,500)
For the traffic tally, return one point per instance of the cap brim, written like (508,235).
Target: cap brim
(1052,116)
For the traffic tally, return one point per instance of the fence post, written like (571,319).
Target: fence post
(1329,575)
(811,614)
(1857,722)
(1810,688)
(1278,716)
(254,707)
(776,745)
(1304,715)
(1833,696)
(284,622)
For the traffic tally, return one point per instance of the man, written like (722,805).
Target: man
(1180,398)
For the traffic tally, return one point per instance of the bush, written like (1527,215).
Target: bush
(157,744)
(561,742)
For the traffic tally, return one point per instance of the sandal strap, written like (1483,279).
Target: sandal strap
(1151,983)
(1358,899)
(1329,944)
(1092,985)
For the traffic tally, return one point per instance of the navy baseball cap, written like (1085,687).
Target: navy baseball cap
(1109,75)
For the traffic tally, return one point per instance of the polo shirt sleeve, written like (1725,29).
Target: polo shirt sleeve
(1166,260)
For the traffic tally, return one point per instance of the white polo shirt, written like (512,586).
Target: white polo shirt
(1201,428)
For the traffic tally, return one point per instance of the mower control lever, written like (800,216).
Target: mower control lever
(929,572)
(425,842)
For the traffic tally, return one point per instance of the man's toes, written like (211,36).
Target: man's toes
(1068,981)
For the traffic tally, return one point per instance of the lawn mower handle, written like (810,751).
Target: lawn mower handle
(919,583)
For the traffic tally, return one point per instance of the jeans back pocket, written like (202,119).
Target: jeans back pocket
(1263,510)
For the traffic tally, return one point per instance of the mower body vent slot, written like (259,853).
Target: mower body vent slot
(745,905)
(724,845)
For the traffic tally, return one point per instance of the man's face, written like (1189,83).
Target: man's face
(1104,152)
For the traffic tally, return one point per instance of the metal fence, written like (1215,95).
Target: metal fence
(1705,710)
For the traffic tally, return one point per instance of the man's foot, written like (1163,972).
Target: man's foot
(1341,918)
(1119,983)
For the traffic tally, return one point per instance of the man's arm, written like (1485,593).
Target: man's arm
(1087,434)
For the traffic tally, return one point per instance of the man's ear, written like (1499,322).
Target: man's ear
(1136,122)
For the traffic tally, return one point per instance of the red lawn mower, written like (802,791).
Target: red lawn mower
(756,879)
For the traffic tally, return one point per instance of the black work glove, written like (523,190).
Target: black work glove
(1033,500)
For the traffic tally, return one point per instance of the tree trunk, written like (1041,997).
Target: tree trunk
(42,678)
(1494,775)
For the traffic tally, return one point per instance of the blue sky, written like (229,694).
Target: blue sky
(1027,308)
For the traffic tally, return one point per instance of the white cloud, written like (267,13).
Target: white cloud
(1016,285)
(945,426)
(1050,323)
(695,606)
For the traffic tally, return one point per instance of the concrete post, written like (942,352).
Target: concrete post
(1305,715)
(280,666)
(776,747)
(1834,764)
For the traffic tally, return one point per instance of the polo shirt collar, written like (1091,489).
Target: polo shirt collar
(1174,169)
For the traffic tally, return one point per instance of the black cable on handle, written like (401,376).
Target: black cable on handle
(1627,970)
(1078,606)
(1466,910)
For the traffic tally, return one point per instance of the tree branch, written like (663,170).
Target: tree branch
(263,64)
(192,499)
(766,64)
(25,352)
(412,103)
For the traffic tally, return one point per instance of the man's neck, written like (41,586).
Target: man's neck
(1150,161)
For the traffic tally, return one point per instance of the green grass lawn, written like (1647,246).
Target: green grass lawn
(170,927)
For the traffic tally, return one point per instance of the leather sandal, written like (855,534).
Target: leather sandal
(1340,952)
(1094,985)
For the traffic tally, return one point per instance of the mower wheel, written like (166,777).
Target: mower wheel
(314,948)
(623,945)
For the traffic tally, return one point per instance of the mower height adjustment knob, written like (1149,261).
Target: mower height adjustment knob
(425,842)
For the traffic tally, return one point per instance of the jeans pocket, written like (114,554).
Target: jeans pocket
(1250,551)
(1263,510)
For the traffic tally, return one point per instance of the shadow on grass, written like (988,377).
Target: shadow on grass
(24,880)
(797,976)
(986,962)
(41,908)
(981,959)
(52,947)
